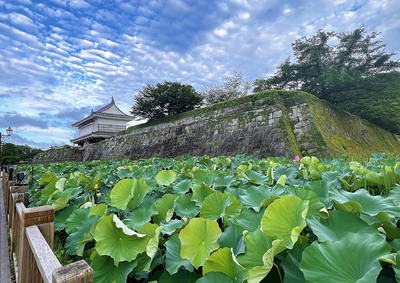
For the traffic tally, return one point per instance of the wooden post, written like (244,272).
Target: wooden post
(4,180)
(13,223)
(29,217)
(6,192)
(76,272)
(43,261)
(9,203)
(24,189)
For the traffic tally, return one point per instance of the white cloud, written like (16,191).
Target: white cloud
(79,4)
(22,21)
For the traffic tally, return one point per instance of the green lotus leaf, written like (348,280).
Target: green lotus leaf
(62,201)
(73,181)
(125,229)
(112,241)
(394,195)
(285,219)
(99,209)
(46,178)
(232,237)
(75,219)
(62,216)
(60,184)
(224,181)
(255,177)
(314,205)
(81,235)
(248,219)
(104,271)
(185,207)
(337,224)
(220,205)
(309,160)
(124,172)
(95,183)
(165,177)
(173,260)
(165,207)
(182,187)
(257,273)
(354,185)
(395,244)
(257,243)
(171,226)
(321,189)
(202,176)
(181,276)
(198,240)
(374,178)
(259,255)
(49,191)
(281,181)
(331,178)
(223,260)
(153,232)
(128,191)
(290,264)
(362,202)
(266,202)
(200,192)
(253,196)
(138,217)
(383,223)
(354,258)
(290,172)
(213,277)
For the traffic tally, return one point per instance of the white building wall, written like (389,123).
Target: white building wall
(86,130)
(108,125)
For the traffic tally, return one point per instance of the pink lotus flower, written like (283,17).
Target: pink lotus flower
(296,158)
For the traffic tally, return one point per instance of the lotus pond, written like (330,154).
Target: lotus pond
(227,219)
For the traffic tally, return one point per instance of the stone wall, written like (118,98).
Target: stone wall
(272,123)
(66,153)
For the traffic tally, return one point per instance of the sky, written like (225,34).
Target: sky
(59,59)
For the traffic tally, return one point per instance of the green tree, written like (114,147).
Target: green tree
(383,112)
(329,70)
(164,99)
(9,154)
(26,153)
(233,87)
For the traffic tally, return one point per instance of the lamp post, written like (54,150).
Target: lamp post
(9,131)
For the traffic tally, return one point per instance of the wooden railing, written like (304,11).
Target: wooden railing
(32,237)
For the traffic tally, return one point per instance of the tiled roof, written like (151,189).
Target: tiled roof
(100,113)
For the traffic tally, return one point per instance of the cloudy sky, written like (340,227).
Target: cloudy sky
(59,59)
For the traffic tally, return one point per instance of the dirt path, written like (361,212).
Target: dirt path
(5,274)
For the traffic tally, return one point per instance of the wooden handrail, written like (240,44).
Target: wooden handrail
(45,259)
(32,237)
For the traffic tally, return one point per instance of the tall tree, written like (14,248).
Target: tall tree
(328,70)
(233,87)
(164,99)
(11,153)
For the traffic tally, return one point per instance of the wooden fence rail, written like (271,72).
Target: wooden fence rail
(32,237)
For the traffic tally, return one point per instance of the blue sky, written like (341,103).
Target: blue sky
(59,59)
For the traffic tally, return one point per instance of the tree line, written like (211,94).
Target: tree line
(352,70)
(12,154)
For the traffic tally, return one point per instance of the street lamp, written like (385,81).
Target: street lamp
(9,131)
